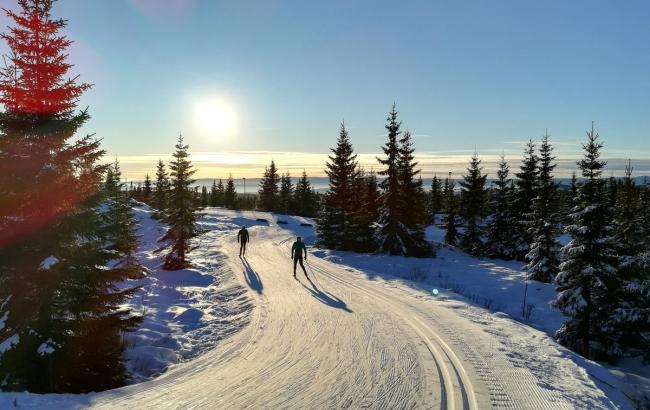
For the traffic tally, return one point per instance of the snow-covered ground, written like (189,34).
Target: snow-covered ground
(359,332)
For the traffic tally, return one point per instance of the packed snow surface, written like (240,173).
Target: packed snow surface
(355,334)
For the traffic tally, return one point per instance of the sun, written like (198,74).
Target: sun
(214,118)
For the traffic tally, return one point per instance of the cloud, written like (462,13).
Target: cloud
(251,164)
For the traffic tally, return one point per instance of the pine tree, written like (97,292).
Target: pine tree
(59,302)
(160,198)
(451,231)
(146,189)
(230,194)
(435,199)
(269,187)
(413,201)
(205,199)
(334,222)
(121,225)
(587,283)
(544,251)
(286,193)
(304,198)
(526,192)
(181,213)
(500,229)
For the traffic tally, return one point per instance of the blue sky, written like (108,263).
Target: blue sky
(465,75)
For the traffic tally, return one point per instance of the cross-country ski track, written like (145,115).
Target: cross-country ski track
(346,339)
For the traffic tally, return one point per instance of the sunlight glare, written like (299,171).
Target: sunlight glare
(215,118)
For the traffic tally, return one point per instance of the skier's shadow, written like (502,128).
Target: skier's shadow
(325,297)
(252,278)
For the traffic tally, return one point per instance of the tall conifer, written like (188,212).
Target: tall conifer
(60,302)
(587,282)
(182,212)
(334,221)
(544,250)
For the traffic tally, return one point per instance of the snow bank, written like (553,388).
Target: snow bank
(186,312)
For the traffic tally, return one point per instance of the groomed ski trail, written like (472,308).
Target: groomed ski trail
(340,340)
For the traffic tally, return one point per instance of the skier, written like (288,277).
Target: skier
(242,238)
(297,251)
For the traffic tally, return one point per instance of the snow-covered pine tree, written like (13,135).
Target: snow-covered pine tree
(269,188)
(334,221)
(286,193)
(435,199)
(160,198)
(304,198)
(146,189)
(526,183)
(121,225)
(500,233)
(213,194)
(587,283)
(230,194)
(182,211)
(59,303)
(451,210)
(543,257)
(473,207)
(413,201)
(631,319)
(205,198)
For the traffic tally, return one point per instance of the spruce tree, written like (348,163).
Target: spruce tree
(286,193)
(60,302)
(205,198)
(413,201)
(304,198)
(160,198)
(213,194)
(451,205)
(334,222)
(631,318)
(121,225)
(570,198)
(587,283)
(364,215)
(221,193)
(544,251)
(230,194)
(269,188)
(435,199)
(473,206)
(645,212)
(526,192)
(181,212)
(146,189)
(500,230)
(397,232)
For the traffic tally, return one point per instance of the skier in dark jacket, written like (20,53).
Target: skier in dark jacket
(297,250)
(242,239)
